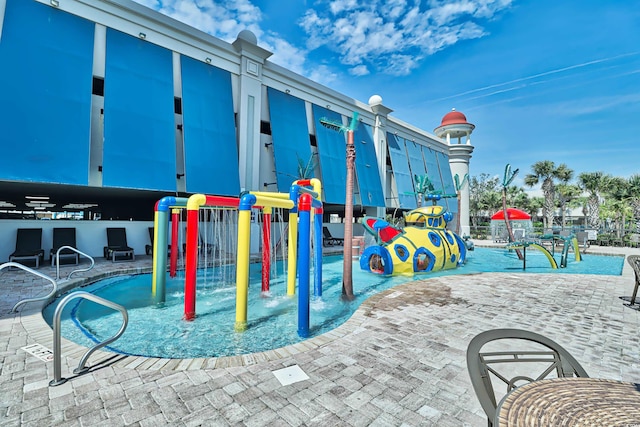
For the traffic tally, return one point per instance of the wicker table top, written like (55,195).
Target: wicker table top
(571,402)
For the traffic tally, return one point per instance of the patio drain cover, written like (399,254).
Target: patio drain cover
(290,375)
(39,351)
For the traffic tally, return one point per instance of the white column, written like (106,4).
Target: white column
(459,155)
(248,104)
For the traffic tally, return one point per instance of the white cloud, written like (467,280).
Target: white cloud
(393,32)
(222,21)
(359,70)
(388,36)
(285,54)
(226,20)
(322,74)
(401,65)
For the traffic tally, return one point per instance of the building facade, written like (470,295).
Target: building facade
(109,106)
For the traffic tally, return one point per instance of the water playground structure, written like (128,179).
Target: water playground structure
(569,242)
(423,245)
(303,202)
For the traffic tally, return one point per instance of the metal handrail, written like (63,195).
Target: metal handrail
(57,338)
(32,271)
(93,262)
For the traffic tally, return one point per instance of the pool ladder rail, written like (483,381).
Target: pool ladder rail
(53,291)
(82,366)
(79,270)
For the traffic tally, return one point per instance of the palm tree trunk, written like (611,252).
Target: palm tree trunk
(594,214)
(347,277)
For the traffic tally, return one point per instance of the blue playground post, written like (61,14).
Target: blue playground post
(304,233)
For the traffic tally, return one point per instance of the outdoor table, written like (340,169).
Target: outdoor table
(571,402)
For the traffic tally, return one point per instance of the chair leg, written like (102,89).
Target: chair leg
(635,293)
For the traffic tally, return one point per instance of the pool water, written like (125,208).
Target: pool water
(159,331)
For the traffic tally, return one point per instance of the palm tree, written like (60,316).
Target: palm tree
(634,191)
(305,169)
(347,271)
(616,207)
(424,187)
(508,178)
(547,172)
(619,202)
(593,183)
(566,193)
(535,204)
(515,195)
(481,189)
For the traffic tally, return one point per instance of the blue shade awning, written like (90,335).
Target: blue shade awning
(47,58)
(332,152)
(416,163)
(209,130)
(290,133)
(367,167)
(401,172)
(433,172)
(139,124)
(448,185)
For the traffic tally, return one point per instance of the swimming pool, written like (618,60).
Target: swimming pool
(159,331)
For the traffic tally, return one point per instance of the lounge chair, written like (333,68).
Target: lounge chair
(28,246)
(329,240)
(518,234)
(542,357)
(117,246)
(583,240)
(148,249)
(501,237)
(64,237)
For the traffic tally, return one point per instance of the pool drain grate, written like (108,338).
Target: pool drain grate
(39,351)
(290,375)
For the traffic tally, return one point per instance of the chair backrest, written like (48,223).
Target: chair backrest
(525,351)
(634,262)
(29,240)
(151,235)
(117,237)
(64,237)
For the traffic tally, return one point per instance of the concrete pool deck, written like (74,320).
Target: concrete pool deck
(400,359)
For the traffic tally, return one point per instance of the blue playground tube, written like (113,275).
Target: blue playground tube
(317,231)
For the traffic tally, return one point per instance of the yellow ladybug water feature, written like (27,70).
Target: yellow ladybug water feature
(423,245)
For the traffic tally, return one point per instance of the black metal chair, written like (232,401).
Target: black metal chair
(148,249)
(117,248)
(539,353)
(634,262)
(28,246)
(64,237)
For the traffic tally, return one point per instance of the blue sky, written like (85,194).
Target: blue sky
(540,79)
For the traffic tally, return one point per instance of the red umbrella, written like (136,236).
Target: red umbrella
(514,214)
